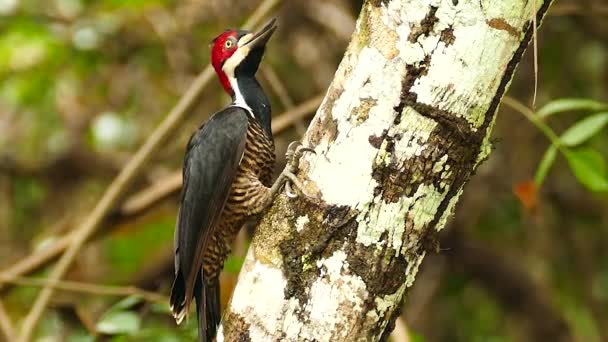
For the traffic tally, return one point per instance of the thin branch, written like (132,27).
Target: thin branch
(277,86)
(38,259)
(332,17)
(6,326)
(124,179)
(529,114)
(87,322)
(94,289)
(287,119)
(146,198)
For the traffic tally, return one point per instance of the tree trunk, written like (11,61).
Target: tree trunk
(405,123)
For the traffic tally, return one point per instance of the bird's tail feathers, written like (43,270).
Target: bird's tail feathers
(207,295)
(177,302)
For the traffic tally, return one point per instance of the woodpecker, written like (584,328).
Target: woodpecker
(227,177)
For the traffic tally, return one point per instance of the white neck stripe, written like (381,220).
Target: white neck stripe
(239,100)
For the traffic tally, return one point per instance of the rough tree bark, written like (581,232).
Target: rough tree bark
(405,123)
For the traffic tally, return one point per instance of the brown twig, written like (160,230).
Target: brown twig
(277,86)
(124,180)
(75,161)
(38,259)
(94,289)
(285,120)
(6,326)
(333,17)
(87,322)
(152,194)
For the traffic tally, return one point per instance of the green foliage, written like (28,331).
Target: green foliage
(135,4)
(570,105)
(127,303)
(414,337)
(473,314)
(29,195)
(545,164)
(502,219)
(584,130)
(588,165)
(128,253)
(80,336)
(119,322)
(26,45)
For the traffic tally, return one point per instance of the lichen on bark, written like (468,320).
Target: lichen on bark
(404,124)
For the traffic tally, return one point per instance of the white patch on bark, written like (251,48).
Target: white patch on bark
(413,263)
(423,211)
(383,217)
(292,325)
(386,304)
(301,221)
(345,163)
(413,128)
(264,306)
(334,290)
(476,48)
(486,145)
(265,296)
(389,301)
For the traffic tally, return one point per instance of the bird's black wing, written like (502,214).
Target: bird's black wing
(212,159)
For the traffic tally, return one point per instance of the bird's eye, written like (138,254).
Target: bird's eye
(228,44)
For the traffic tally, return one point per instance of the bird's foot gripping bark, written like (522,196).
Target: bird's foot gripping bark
(288,177)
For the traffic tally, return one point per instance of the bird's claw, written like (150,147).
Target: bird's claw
(295,150)
(289,192)
(291,182)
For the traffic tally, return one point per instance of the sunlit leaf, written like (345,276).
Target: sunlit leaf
(545,165)
(584,129)
(568,105)
(589,167)
(119,322)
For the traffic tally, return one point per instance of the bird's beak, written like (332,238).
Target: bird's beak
(261,37)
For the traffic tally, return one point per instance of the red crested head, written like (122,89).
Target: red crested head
(237,53)
(224,46)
